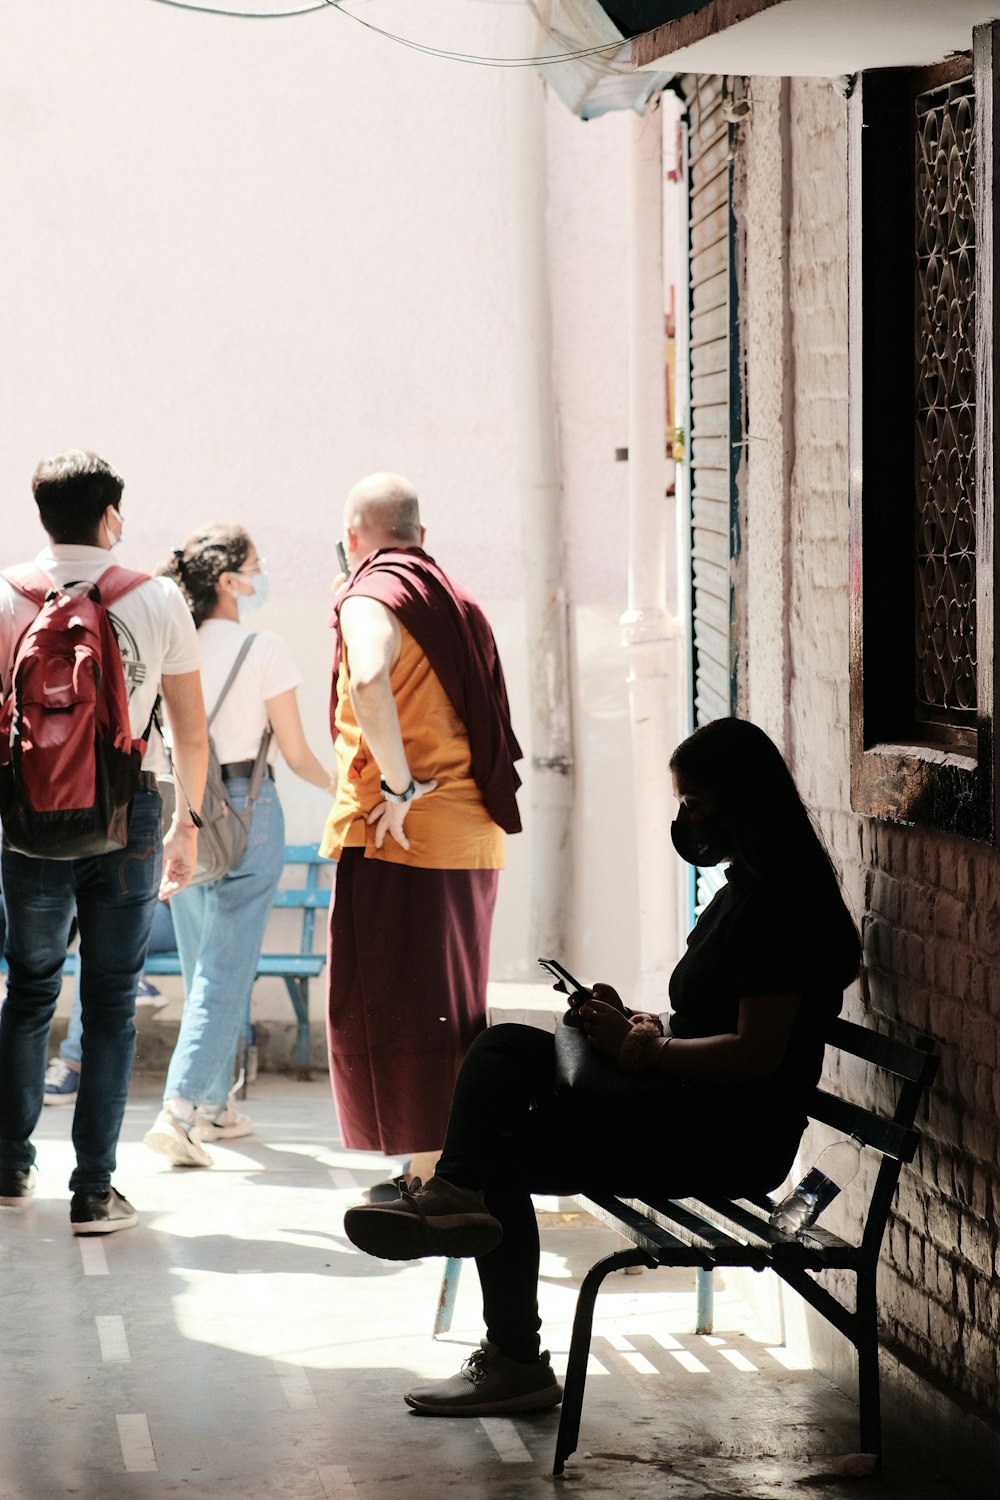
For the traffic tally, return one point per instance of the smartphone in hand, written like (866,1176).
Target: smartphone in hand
(576,992)
(342,558)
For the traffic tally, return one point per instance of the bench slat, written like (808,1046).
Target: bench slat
(918,1064)
(619,1214)
(886,1136)
(304,854)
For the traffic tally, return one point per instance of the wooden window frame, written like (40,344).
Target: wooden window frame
(893,777)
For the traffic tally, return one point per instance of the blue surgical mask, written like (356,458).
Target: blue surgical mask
(247,603)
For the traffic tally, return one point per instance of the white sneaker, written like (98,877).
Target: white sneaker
(176,1141)
(61,1082)
(225,1125)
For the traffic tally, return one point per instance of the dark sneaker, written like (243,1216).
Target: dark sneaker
(385,1192)
(61,1082)
(489,1384)
(439,1219)
(16,1186)
(101,1213)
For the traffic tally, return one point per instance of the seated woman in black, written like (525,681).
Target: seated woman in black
(764,972)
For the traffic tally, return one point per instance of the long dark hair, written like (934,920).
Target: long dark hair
(201,562)
(770,830)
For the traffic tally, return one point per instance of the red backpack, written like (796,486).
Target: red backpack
(69,767)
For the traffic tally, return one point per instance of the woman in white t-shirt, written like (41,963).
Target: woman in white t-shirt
(220,925)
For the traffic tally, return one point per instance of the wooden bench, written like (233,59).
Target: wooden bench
(296,969)
(714,1232)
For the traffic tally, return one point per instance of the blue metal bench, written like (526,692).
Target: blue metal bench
(296,969)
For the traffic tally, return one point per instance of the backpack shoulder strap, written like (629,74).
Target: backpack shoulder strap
(233,672)
(116,581)
(29,581)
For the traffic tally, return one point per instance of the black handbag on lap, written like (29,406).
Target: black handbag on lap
(583,1072)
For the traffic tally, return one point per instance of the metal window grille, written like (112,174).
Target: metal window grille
(945,517)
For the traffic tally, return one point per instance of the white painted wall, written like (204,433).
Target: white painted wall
(250,262)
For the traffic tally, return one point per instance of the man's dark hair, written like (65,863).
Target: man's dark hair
(72,492)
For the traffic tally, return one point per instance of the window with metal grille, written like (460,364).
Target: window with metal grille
(921,370)
(945,411)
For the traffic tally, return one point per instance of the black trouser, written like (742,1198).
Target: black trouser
(509,1136)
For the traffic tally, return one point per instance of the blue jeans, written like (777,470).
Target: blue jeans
(113,897)
(161,940)
(220,930)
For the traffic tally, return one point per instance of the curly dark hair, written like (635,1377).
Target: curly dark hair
(201,562)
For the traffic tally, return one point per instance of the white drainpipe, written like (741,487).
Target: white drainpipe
(651,634)
(550,777)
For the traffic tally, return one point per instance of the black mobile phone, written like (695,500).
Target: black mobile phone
(576,991)
(342,558)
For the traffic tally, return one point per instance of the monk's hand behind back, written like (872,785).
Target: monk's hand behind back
(389,817)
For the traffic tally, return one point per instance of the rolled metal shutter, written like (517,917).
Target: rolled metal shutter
(713,457)
(714,415)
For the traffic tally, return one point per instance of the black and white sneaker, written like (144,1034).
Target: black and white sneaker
(16,1186)
(101,1213)
(489,1384)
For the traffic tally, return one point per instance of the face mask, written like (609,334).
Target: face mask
(115,541)
(247,603)
(705,843)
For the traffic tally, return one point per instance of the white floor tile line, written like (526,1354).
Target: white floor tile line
(688,1361)
(295,1384)
(136,1443)
(337,1483)
(739,1361)
(95,1262)
(114,1342)
(504,1436)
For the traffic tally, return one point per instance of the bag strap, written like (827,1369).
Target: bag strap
(36,585)
(260,760)
(233,671)
(31,582)
(259,766)
(116,581)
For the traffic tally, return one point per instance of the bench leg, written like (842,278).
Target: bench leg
(298,993)
(448,1296)
(704,1301)
(579,1349)
(869,1399)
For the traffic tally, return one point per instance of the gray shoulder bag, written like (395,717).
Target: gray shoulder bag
(222,839)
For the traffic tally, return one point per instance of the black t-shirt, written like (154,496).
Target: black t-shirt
(755,938)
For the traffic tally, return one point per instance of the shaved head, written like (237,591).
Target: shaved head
(383,511)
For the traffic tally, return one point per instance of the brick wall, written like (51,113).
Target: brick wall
(929,906)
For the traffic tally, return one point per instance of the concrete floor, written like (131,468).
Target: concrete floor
(236,1345)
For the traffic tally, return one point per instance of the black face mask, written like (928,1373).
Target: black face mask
(704,843)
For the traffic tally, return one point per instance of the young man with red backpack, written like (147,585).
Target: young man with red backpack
(86,648)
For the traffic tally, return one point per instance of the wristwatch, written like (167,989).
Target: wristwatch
(400,798)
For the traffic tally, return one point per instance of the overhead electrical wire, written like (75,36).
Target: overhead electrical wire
(465,57)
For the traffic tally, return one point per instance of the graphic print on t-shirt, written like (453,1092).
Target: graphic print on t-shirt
(135,668)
